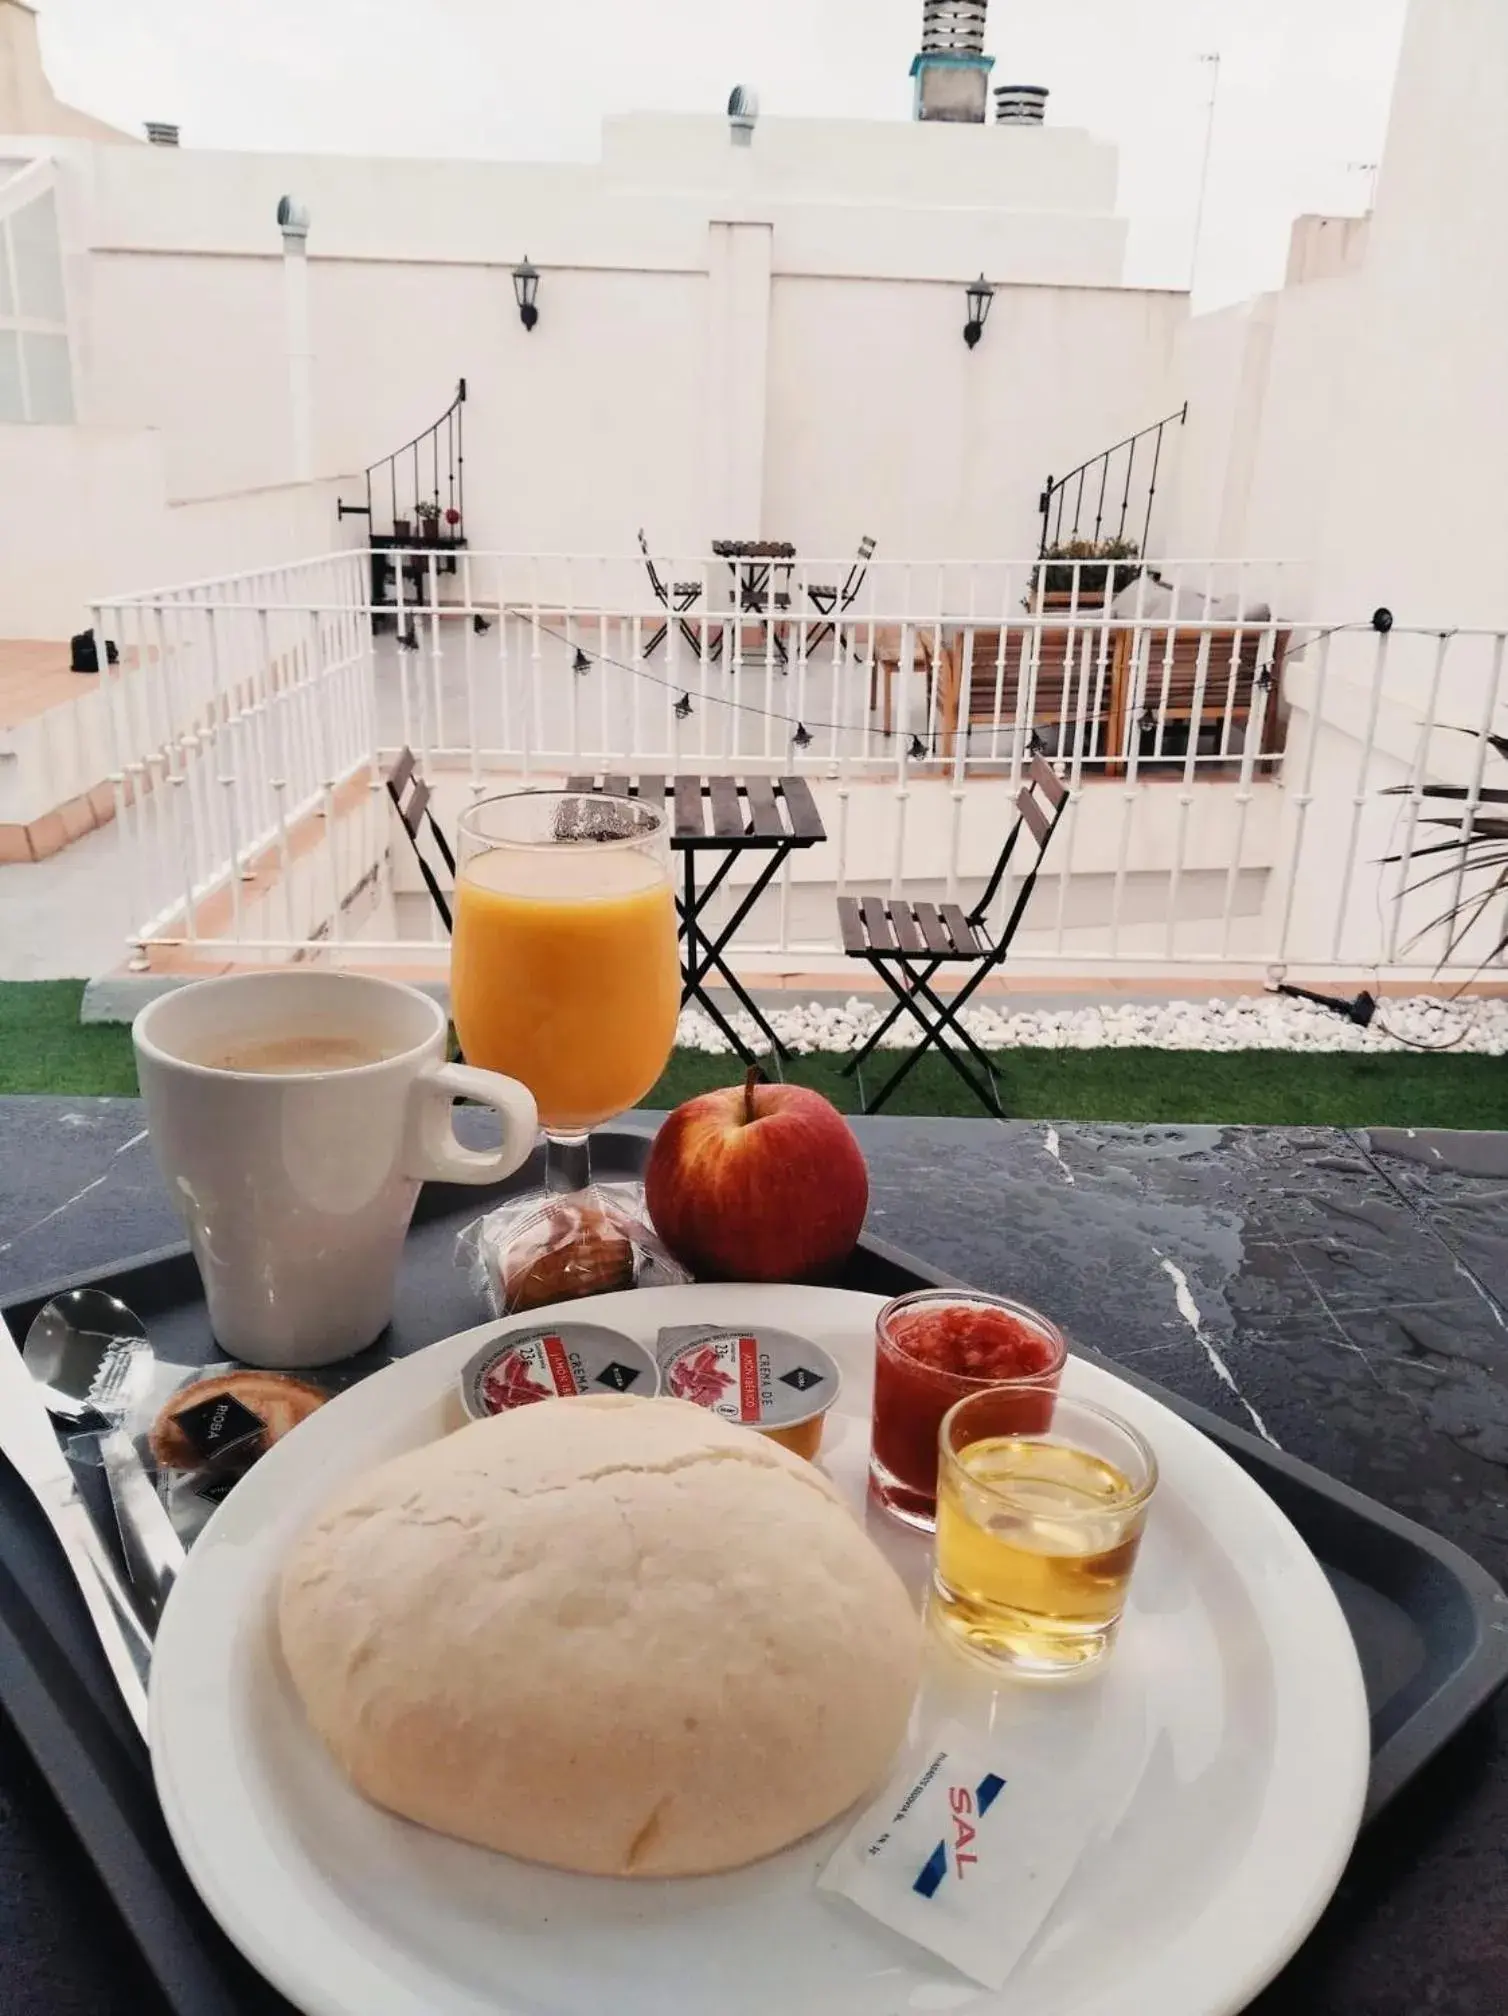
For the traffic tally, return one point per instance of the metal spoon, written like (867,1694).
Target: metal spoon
(88,1352)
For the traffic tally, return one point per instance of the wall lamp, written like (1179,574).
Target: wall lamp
(981,294)
(526,286)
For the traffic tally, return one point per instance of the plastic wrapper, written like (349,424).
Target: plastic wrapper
(199,1429)
(534,1251)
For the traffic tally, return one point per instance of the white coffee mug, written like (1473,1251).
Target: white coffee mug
(293,1117)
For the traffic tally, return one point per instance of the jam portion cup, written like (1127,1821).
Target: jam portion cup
(933,1348)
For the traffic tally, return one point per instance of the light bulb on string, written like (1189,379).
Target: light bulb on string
(682,708)
(581,663)
(918,750)
(801,738)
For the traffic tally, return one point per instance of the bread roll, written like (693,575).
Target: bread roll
(617,1636)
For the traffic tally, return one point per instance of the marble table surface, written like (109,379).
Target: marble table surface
(1345,1295)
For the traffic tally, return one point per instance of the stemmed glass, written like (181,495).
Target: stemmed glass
(564,971)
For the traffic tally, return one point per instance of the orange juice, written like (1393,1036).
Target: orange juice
(564,975)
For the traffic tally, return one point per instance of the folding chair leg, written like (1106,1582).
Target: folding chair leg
(859,1055)
(437,895)
(656,641)
(985,1093)
(947,1018)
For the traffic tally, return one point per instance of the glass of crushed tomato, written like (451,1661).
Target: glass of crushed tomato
(935,1347)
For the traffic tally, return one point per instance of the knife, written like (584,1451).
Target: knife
(27,1439)
(153,1551)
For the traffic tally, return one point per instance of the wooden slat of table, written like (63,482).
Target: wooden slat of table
(763,810)
(615,787)
(727,813)
(801,808)
(688,809)
(877,924)
(851,924)
(904,923)
(652,792)
(933,931)
(581,784)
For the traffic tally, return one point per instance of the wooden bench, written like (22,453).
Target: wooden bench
(1093,681)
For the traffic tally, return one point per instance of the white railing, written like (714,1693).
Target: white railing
(1238,775)
(236,710)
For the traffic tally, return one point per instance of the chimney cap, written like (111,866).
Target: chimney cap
(953,27)
(161,134)
(293,217)
(1020,104)
(743,112)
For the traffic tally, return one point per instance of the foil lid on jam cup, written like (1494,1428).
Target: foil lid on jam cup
(555,1360)
(769,1380)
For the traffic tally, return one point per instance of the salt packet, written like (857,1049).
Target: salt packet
(976,1837)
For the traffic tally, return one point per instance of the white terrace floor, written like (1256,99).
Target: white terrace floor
(496,693)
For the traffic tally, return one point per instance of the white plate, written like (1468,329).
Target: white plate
(1234,1660)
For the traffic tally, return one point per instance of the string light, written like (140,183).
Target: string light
(1381,621)
(480,624)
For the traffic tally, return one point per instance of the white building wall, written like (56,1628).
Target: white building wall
(1299,356)
(85,512)
(1418,514)
(883,421)
(732,342)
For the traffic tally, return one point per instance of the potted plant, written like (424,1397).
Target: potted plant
(428,515)
(1473,855)
(403,530)
(1099,567)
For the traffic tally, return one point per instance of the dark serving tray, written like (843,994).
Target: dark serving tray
(1428,1622)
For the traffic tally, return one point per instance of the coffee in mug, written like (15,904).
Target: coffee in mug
(290,1056)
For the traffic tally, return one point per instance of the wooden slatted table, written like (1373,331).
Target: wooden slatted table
(751,563)
(726,816)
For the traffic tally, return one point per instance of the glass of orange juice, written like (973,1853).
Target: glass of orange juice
(564,970)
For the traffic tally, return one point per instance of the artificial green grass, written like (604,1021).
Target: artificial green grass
(45,1048)
(1254,1087)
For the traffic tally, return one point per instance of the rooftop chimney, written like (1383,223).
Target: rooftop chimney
(952,72)
(160,135)
(1020,104)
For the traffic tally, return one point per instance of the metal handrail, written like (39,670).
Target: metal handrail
(1056,487)
(455,471)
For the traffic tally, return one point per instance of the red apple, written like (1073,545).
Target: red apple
(757,1183)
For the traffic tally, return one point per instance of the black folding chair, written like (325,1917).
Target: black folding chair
(906,943)
(403,781)
(676,596)
(826,597)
